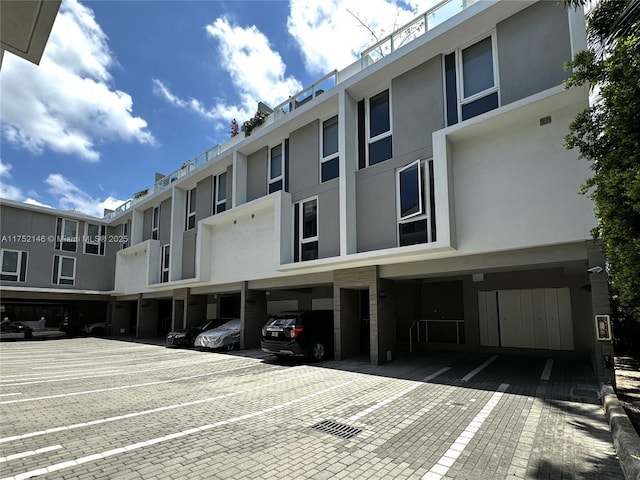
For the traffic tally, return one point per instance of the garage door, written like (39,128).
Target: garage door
(527,318)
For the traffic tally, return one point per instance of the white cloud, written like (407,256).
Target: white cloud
(160,89)
(329,34)
(8,191)
(68,195)
(32,201)
(71,197)
(332,34)
(256,70)
(67,103)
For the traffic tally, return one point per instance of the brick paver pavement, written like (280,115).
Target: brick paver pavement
(91,408)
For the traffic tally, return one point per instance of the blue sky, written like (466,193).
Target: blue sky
(126,89)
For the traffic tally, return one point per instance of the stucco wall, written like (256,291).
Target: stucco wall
(531,59)
(509,194)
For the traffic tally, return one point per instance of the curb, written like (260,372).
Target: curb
(625,438)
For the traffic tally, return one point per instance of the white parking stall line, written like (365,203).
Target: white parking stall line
(122,387)
(396,396)
(441,468)
(477,370)
(62,378)
(546,373)
(10,394)
(154,441)
(144,412)
(30,453)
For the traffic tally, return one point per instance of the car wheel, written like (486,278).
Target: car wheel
(230,347)
(318,352)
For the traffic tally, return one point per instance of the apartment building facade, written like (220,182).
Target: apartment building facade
(423,194)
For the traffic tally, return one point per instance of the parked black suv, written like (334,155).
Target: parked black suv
(307,333)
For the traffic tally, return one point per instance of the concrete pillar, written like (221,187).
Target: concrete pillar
(179,309)
(346,321)
(253,316)
(602,357)
(385,325)
(147,318)
(120,318)
(382,337)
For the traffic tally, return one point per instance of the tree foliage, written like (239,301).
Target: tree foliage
(608,135)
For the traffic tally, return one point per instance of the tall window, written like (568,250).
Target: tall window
(379,132)
(164,264)
(416,203)
(329,161)
(14,265)
(220,194)
(278,166)
(306,230)
(124,235)
(94,239)
(66,235)
(64,270)
(155,223)
(471,80)
(190,220)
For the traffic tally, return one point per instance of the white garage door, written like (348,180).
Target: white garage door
(531,318)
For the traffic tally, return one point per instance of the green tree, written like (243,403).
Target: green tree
(608,135)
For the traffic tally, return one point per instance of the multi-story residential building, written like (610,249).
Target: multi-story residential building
(423,194)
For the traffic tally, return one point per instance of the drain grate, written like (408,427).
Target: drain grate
(338,429)
(585,393)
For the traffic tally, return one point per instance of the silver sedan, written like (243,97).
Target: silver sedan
(226,336)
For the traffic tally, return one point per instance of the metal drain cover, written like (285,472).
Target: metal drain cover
(338,429)
(585,393)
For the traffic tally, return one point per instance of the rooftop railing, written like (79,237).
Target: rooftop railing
(401,36)
(188,167)
(304,96)
(414,29)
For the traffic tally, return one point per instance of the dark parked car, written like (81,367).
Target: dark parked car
(16,327)
(307,333)
(226,336)
(186,337)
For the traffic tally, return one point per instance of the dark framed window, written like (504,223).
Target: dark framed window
(94,239)
(379,136)
(155,223)
(306,230)
(471,84)
(416,203)
(64,270)
(329,161)
(164,263)
(190,220)
(66,235)
(278,167)
(14,265)
(124,238)
(220,193)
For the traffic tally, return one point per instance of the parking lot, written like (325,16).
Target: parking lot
(92,408)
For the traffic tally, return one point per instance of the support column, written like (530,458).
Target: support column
(347,285)
(120,318)
(253,315)
(179,310)
(147,318)
(600,305)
